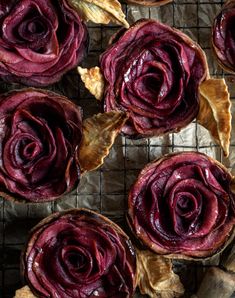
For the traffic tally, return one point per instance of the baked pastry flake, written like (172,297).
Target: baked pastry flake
(102,12)
(99,133)
(155,276)
(215,111)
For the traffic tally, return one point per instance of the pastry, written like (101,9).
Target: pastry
(155,276)
(153,71)
(79,253)
(182,205)
(223,37)
(40,40)
(160,78)
(44,144)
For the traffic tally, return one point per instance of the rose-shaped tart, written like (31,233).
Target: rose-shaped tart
(153,71)
(44,144)
(40,40)
(183,204)
(159,77)
(223,36)
(149,2)
(79,253)
(40,132)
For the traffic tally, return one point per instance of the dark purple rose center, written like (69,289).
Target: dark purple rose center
(36,26)
(149,85)
(28,25)
(29,149)
(30,29)
(185,205)
(34,31)
(76,259)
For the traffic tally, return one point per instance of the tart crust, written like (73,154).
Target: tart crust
(143,238)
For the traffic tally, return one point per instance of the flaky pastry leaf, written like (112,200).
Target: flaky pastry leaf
(24,292)
(93,80)
(155,276)
(101,12)
(99,133)
(215,111)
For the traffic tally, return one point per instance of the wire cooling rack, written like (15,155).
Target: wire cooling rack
(105,190)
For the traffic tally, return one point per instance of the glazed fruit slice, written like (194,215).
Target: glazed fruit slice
(182,205)
(79,253)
